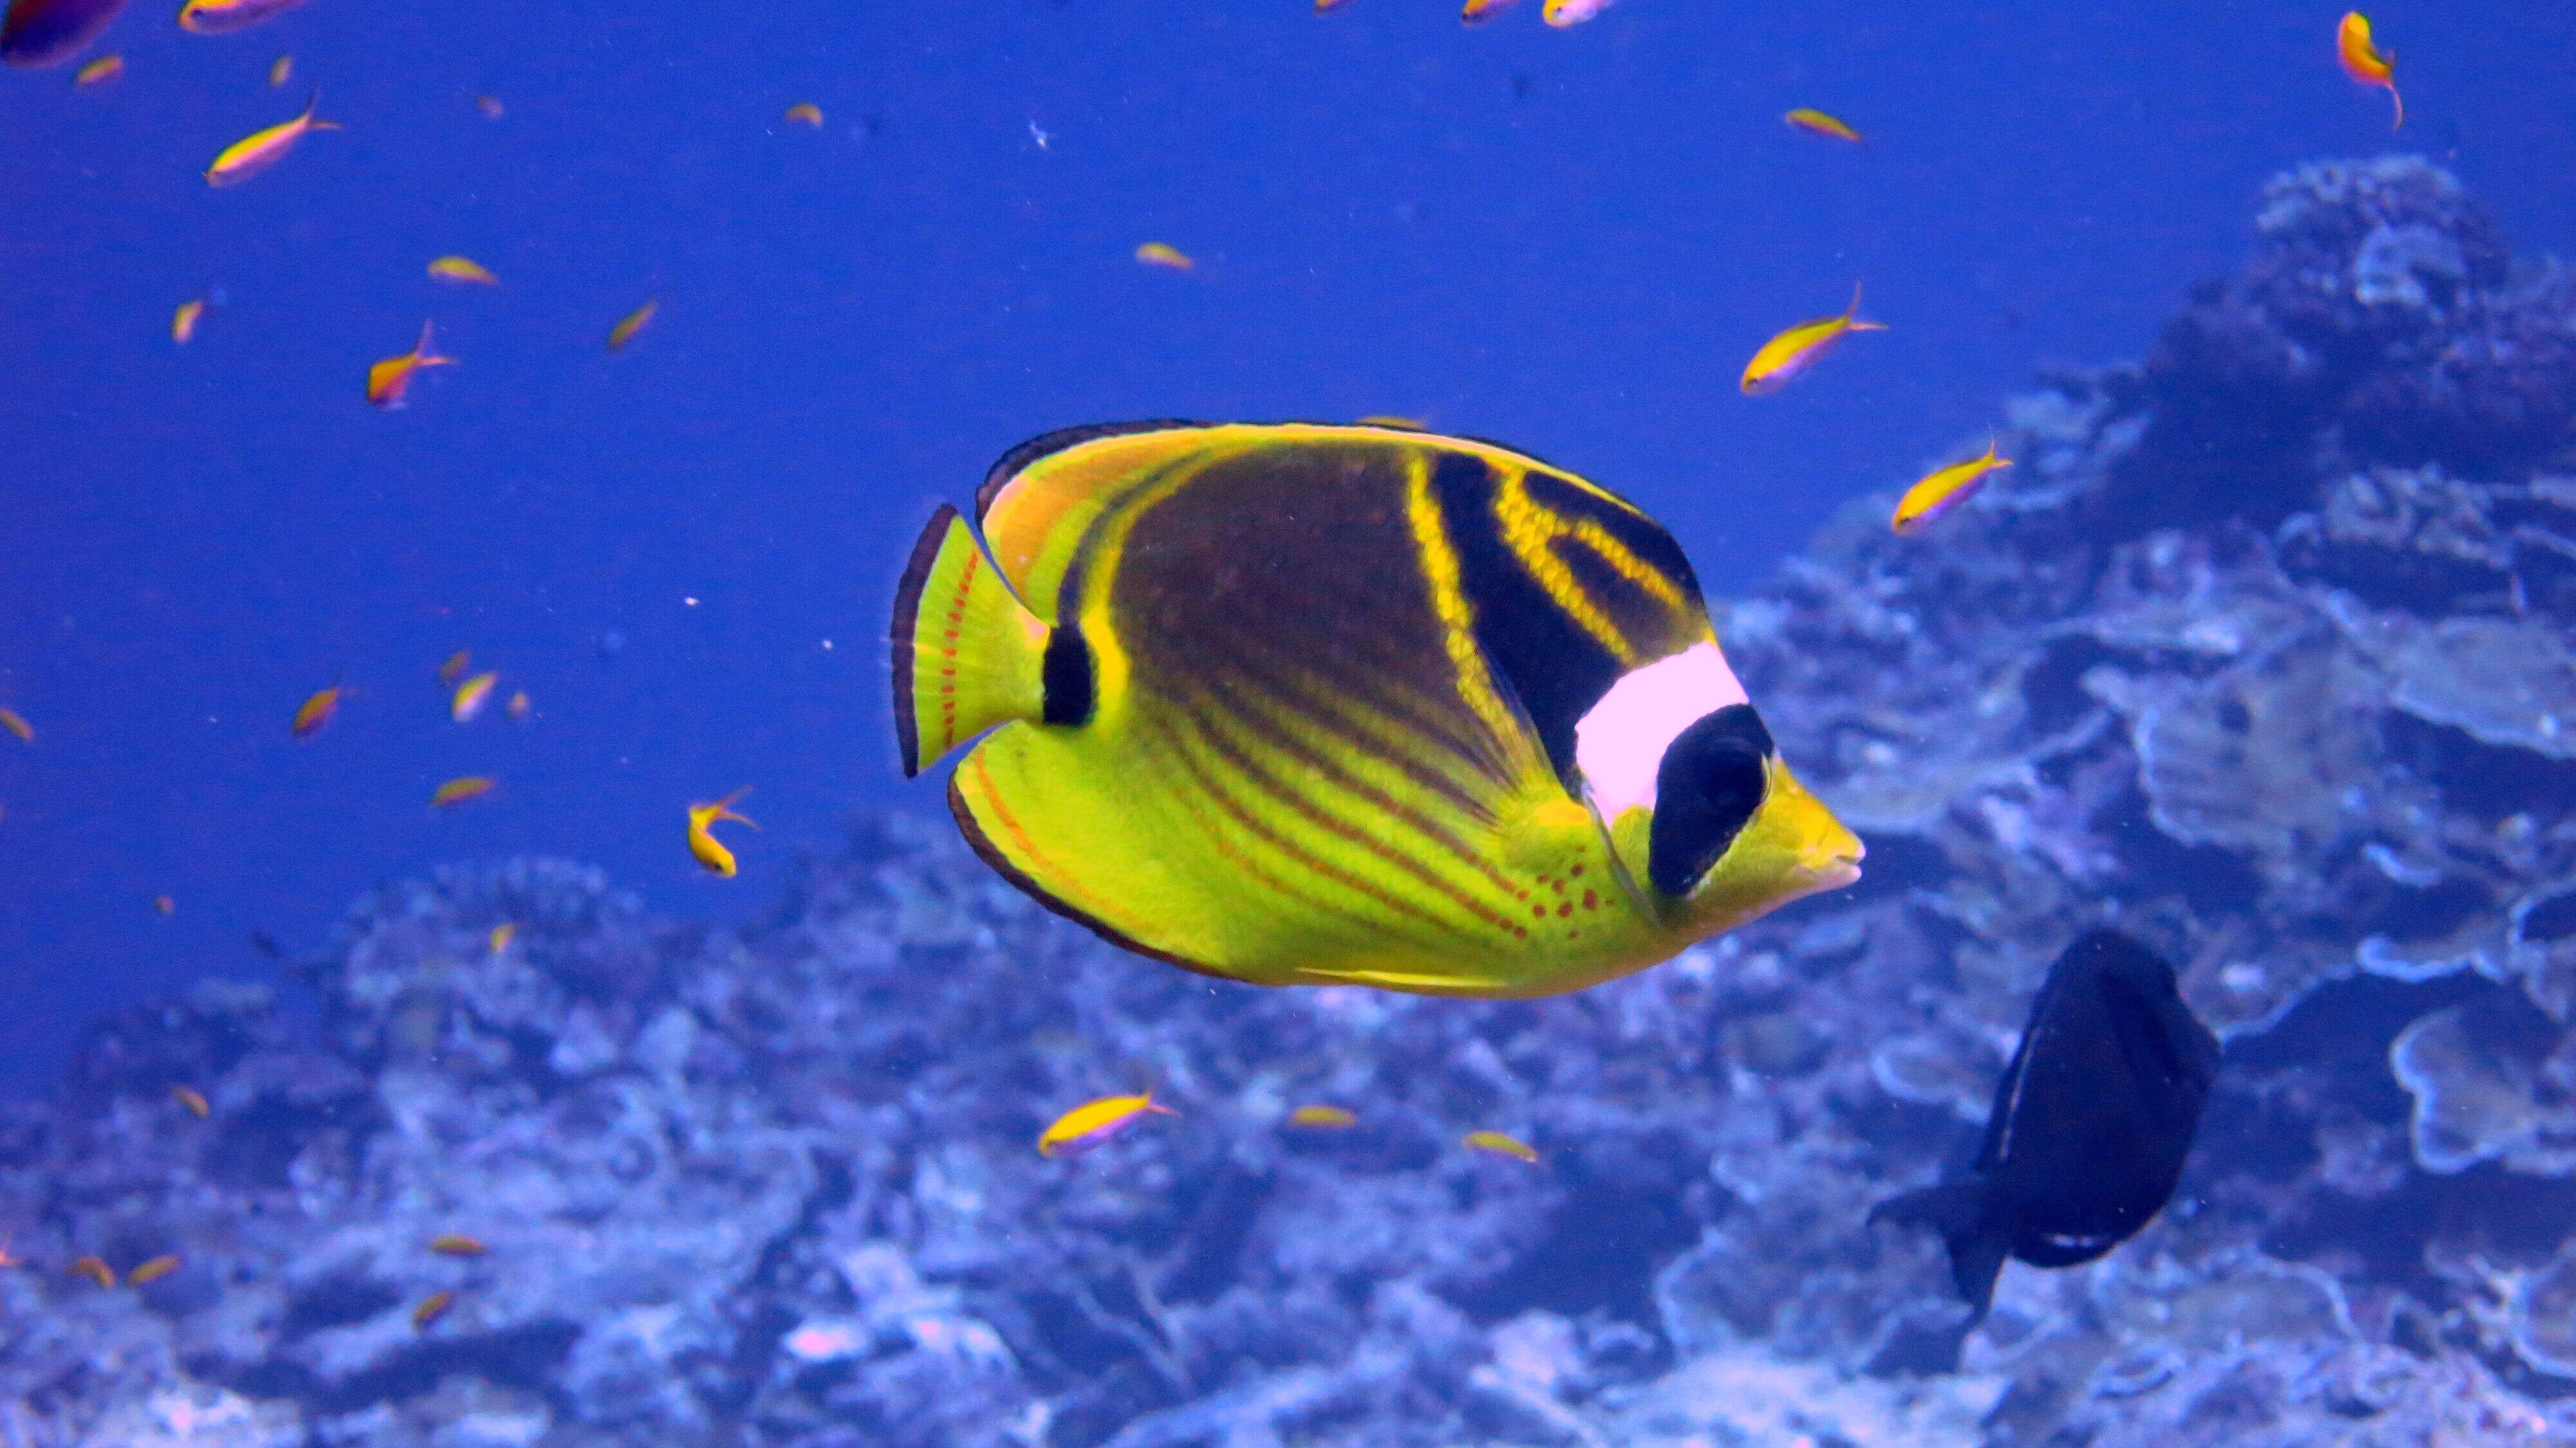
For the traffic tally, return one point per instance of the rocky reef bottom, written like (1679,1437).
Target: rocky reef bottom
(780,1189)
(2258,652)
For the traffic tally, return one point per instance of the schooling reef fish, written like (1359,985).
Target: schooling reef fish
(48,32)
(1091,1124)
(1780,360)
(710,852)
(260,150)
(1942,490)
(223,17)
(2366,63)
(1817,123)
(315,712)
(2090,1125)
(1325,705)
(388,385)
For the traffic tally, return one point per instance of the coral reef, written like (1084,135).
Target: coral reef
(2259,651)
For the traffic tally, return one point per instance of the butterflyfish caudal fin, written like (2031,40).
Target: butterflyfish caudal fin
(968,655)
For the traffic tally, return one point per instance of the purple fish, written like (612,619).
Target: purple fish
(49,32)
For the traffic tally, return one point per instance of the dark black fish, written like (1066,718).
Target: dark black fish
(2090,1125)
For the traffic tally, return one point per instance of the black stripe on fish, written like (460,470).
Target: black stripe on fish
(1067,676)
(1712,779)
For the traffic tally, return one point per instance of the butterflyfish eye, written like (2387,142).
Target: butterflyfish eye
(1712,779)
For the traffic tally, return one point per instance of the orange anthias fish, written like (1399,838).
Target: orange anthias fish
(805,113)
(520,708)
(2365,62)
(456,1244)
(1943,489)
(165,905)
(703,845)
(49,32)
(100,71)
(1502,1145)
(315,712)
(1816,122)
(1164,255)
(453,667)
(1087,1126)
(260,150)
(1794,351)
(630,324)
(183,322)
(16,724)
(1562,13)
(1477,12)
(193,1099)
(491,107)
(457,791)
(470,697)
(152,1269)
(93,1268)
(390,379)
(463,271)
(279,70)
(223,17)
(432,1308)
(1325,1118)
(501,936)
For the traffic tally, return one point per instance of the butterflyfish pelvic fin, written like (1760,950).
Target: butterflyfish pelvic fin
(968,655)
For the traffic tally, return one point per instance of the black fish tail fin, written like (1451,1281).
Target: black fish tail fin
(1956,1210)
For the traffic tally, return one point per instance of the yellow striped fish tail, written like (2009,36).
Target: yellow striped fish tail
(967,655)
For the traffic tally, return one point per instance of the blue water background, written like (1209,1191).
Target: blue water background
(1567,240)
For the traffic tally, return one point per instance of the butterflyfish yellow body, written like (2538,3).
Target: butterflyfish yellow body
(1784,357)
(1330,705)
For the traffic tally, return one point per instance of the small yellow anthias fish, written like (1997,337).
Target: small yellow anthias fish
(470,697)
(1816,122)
(223,17)
(501,936)
(93,1268)
(1501,1144)
(1327,705)
(1322,1118)
(462,271)
(457,791)
(1943,489)
(1164,255)
(704,847)
(1781,359)
(152,1269)
(1477,12)
(1562,13)
(389,381)
(280,71)
(17,724)
(804,113)
(1089,1125)
(432,1308)
(456,1244)
(260,150)
(99,72)
(519,707)
(2365,62)
(183,322)
(630,324)
(315,712)
(193,1099)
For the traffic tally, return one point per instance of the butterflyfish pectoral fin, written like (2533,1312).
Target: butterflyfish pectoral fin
(967,655)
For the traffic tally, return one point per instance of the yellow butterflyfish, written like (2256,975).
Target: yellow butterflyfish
(1334,705)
